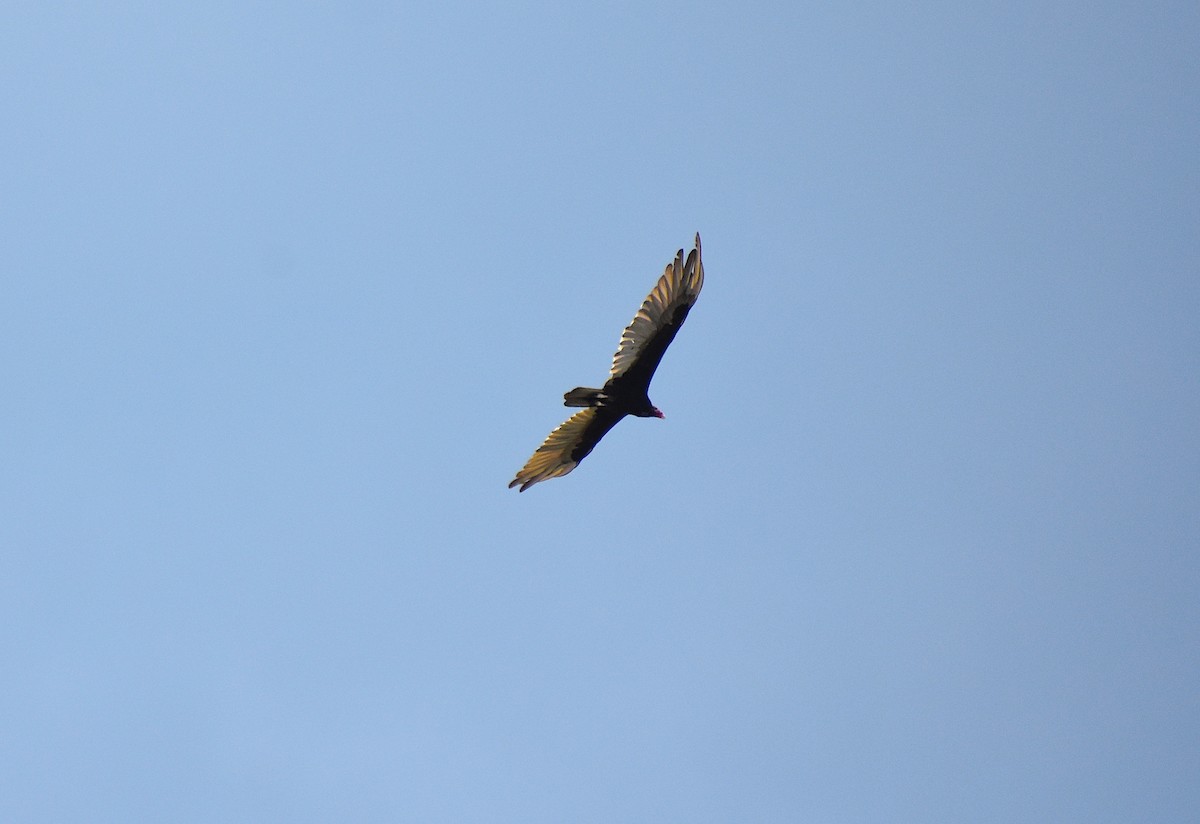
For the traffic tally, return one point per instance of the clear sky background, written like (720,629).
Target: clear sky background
(291,290)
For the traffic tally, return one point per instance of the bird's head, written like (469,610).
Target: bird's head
(656,412)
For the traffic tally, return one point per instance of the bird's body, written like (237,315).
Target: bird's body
(626,390)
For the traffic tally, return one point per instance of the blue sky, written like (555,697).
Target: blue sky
(292,290)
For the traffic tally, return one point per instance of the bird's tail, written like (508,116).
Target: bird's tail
(582,396)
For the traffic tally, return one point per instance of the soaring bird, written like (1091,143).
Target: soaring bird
(625,392)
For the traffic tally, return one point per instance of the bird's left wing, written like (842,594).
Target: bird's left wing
(566,446)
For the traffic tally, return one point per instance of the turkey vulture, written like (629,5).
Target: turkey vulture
(625,393)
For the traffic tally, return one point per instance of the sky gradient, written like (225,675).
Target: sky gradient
(291,291)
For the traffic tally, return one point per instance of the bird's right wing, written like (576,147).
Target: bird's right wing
(566,446)
(662,313)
